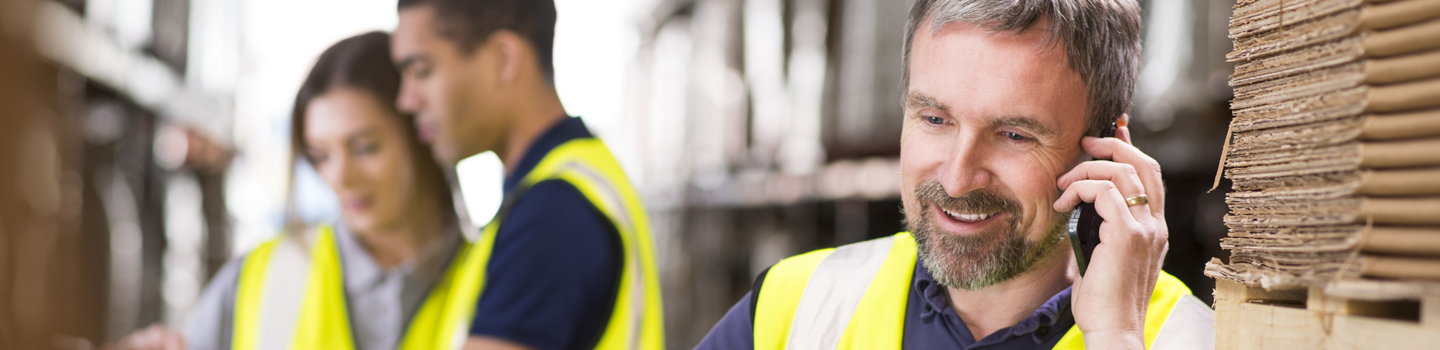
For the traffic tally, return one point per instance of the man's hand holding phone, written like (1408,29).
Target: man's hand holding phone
(1110,300)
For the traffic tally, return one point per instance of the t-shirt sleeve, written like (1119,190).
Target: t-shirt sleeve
(553,274)
(734,332)
(208,325)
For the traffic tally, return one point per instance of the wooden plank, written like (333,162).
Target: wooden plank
(1372,305)
(1430,312)
(1260,326)
(1246,319)
(1231,290)
(1380,290)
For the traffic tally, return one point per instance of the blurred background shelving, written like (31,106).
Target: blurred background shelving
(755,130)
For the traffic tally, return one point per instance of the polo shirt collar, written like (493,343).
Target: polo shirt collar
(937,304)
(568,128)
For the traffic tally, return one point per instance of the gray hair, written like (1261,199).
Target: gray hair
(1101,40)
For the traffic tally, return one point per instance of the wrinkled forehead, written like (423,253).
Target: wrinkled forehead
(973,69)
(979,45)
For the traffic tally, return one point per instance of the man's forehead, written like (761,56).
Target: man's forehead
(993,75)
(1033,44)
(413,33)
(412,20)
(1038,34)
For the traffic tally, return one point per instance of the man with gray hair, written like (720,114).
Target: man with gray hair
(1005,101)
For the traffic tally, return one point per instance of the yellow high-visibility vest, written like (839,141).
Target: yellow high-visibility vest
(443,321)
(854,297)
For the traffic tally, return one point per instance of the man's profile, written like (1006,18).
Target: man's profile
(571,264)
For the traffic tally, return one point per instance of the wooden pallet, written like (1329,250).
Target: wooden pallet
(1344,315)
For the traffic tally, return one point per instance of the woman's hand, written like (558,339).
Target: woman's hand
(155,337)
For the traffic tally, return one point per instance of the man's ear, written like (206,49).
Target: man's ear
(510,49)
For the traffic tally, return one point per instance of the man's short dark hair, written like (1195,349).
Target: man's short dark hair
(471,22)
(1101,39)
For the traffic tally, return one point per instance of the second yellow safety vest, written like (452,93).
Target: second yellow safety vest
(272,310)
(267,296)
(854,297)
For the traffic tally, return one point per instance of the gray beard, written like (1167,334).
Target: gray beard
(982,259)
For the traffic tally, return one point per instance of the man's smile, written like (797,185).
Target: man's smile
(965,223)
(968,217)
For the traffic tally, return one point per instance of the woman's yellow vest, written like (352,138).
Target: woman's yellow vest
(272,310)
(853,297)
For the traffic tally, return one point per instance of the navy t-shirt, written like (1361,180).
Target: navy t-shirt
(555,268)
(930,323)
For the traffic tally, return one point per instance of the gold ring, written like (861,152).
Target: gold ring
(1137,200)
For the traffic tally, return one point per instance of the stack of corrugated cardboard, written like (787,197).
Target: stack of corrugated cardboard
(1335,153)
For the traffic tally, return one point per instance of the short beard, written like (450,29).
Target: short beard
(982,259)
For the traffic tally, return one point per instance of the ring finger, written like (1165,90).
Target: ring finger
(1122,175)
(1148,170)
(1109,203)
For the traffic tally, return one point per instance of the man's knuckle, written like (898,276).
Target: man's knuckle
(1127,169)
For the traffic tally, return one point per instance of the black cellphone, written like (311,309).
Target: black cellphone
(1085,224)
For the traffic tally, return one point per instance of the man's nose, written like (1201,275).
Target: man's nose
(408,100)
(963,169)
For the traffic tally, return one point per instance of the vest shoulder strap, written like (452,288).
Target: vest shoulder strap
(808,301)
(443,320)
(249,296)
(324,318)
(1169,291)
(291,297)
(277,291)
(636,320)
(588,165)
(854,297)
(780,296)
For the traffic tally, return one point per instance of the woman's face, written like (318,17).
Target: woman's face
(359,147)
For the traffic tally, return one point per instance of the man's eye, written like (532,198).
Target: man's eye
(1014,136)
(365,148)
(934,120)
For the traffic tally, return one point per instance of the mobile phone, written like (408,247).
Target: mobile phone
(1085,224)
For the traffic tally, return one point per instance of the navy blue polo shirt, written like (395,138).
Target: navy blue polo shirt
(554,270)
(930,323)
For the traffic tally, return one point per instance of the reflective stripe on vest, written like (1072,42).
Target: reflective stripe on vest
(442,322)
(1168,292)
(854,297)
(265,320)
(636,320)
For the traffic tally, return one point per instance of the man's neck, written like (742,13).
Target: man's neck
(534,115)
(1002,305)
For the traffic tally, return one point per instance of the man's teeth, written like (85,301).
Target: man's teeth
(968,217)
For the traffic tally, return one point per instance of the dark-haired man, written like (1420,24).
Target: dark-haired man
(570,264)
(1003,100)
